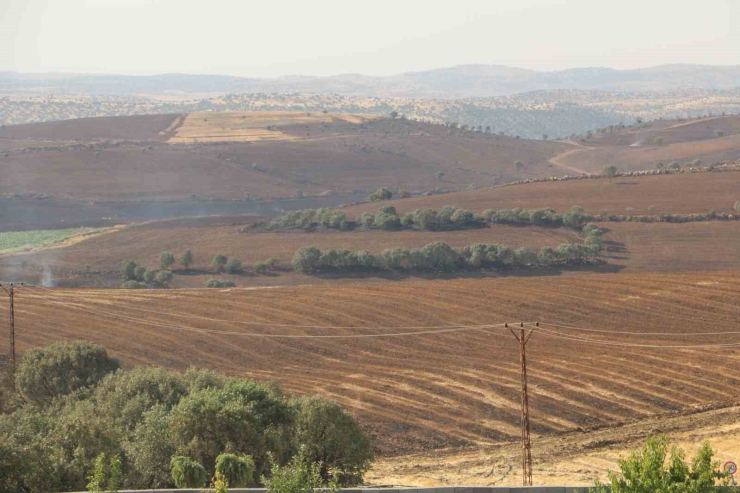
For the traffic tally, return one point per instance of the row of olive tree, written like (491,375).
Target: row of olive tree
(440,257)
(309,218)
(76,403)
(134,276)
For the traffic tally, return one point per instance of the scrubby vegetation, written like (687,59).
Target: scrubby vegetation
(134,276)
(651,468)
(219,283)
(81,421)
(440,257)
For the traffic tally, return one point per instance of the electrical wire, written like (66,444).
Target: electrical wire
(559,335)
(688,334)
(271,336)
(268,324)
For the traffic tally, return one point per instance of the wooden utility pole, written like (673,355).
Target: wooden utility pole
(11,326)
(522,337)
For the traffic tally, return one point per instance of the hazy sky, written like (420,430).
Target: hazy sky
(375,37)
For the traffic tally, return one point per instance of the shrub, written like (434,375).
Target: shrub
(386,218)
(237,470)
(128,270)
(164,277)
(59,369)
(306,259)
(462,217)
(365,219)
(219,283)
(330,436)
(233,266)
(166,259)
(186,473)
(150,276)
(299,476)
(674,165)
(380,194)
(219,261)
(186,259)
(139,272)
(134,285)
(651,469)
(260,267)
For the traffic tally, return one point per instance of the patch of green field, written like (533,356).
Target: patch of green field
(17,240)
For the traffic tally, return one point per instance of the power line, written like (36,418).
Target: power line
(268,324)
(270,336)
(551,333)
(689,334)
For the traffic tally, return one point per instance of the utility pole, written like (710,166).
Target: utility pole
(11,326)
(522,337)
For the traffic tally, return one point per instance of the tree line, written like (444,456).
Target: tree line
(440,257)
(78,420)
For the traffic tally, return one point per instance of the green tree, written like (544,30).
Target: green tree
(394,114)
(306,259)
(610,172)
(219,283)
(128,270)
(381,194)
(96,480)
(234,266)
(166,259)
(186,259)
(164,277)
(330,436)
(150,276)
(439,175)
(299,476)
(519,165)
(59,369)
(186,473)
(650,469)
(238,470)
(219,261)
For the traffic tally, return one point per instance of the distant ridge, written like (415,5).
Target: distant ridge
(462,81)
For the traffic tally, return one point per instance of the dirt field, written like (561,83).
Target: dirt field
(432,391)
(251,126)
(143,244)
(679,193)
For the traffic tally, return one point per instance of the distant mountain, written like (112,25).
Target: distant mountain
(464,81)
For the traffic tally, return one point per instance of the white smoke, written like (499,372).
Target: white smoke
(47,279)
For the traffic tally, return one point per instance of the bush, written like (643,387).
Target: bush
(737,206)
(651,469)
(164,277)
(59,369)
(299,476)
(365,219)
(219,261)
(186,259)
(139,272)
(187,473)
(237,470)
(128,270)
(134,285)
(260,267)
(306,259)
(150,276)
(233,266)
(166,259)
(380,194)
(219,283)
(462,217)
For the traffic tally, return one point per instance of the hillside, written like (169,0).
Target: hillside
(450,82)
(683,193)
(430,391)
(123,168)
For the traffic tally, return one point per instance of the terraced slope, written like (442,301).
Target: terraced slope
(433,390)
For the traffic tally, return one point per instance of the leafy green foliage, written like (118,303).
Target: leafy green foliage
(306,259)
(219,283)
(237,470)
(166,259)
(299,476)
(233,266)
(328,435)
(380,194)
(60,369)
(219,262)
(186,473)
(186,259)
(96,480)
(650,469)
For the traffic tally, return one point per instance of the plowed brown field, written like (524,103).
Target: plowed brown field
(143,244)
(678,193)
(433,390)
